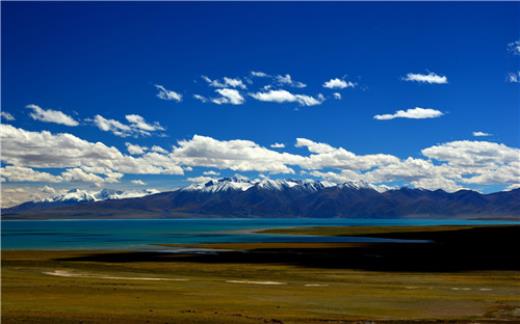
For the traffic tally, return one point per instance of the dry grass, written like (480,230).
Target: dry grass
(29,295)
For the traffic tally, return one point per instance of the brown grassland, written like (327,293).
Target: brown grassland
(467,274)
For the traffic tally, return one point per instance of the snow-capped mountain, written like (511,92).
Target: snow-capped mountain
(239,197)
(79,196)
(103,194)
(217,185)
(242,184)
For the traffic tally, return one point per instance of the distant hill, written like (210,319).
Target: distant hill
(234,197)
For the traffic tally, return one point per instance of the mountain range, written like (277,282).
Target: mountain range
(237,197)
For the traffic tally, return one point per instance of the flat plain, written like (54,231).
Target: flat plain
(473,276)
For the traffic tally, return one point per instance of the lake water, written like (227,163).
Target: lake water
(144,234)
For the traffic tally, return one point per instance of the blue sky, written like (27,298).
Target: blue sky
(88,59)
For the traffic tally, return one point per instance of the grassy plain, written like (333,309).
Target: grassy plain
(265,283)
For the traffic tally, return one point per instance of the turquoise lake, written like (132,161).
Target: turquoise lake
(145,234)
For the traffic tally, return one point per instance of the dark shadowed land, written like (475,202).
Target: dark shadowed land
(463,274)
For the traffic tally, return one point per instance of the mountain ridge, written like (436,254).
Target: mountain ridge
(236,197)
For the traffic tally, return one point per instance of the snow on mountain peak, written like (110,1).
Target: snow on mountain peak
(224,184)
(243,184)
(103,194)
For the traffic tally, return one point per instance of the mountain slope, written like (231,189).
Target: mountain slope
(232,197)
(75,197)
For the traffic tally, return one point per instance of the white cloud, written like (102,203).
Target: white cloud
(234,83)
(166,94)
(282,96)
(23,174)
(413,113)
(337,83)
(7,116)
(51,116)
(135,149)
(473,153)
(13,196)
(259,74)
(138,122)
(112,125)
(337,95)
(137,126)
(513,186)
(138,182)
(228,96)
(478,162)
(481,134)
(66,151)
(226,82)
(277,145)
(431,78)
(200,179)
(514,47)
(288,80)
(27,155)
(236,155)
(158,149)
(314,147)
(514,77)
(80,175)
(326,156)
(200,98)
(13,173)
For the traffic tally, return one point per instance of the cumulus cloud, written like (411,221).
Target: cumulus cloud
(457,164)
(138,182)
(12,196)
(337,83)
(200,98)
(473,153)
(138,123)
(226,82)
(277,145)
(27,156)
(478,162)
(137,126)
(81,175)
(514,77)
(135,149)
(200,179)
(16,173)
(228,96)
(413,113)
(288,81)
(481,134)
(431,78)
(158,149)
(259,74)
(514,47)
(7,116)
(111,125)
(236,155)
(65,151)
(326,156)
(282,96)
(51,116)
(166,94)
